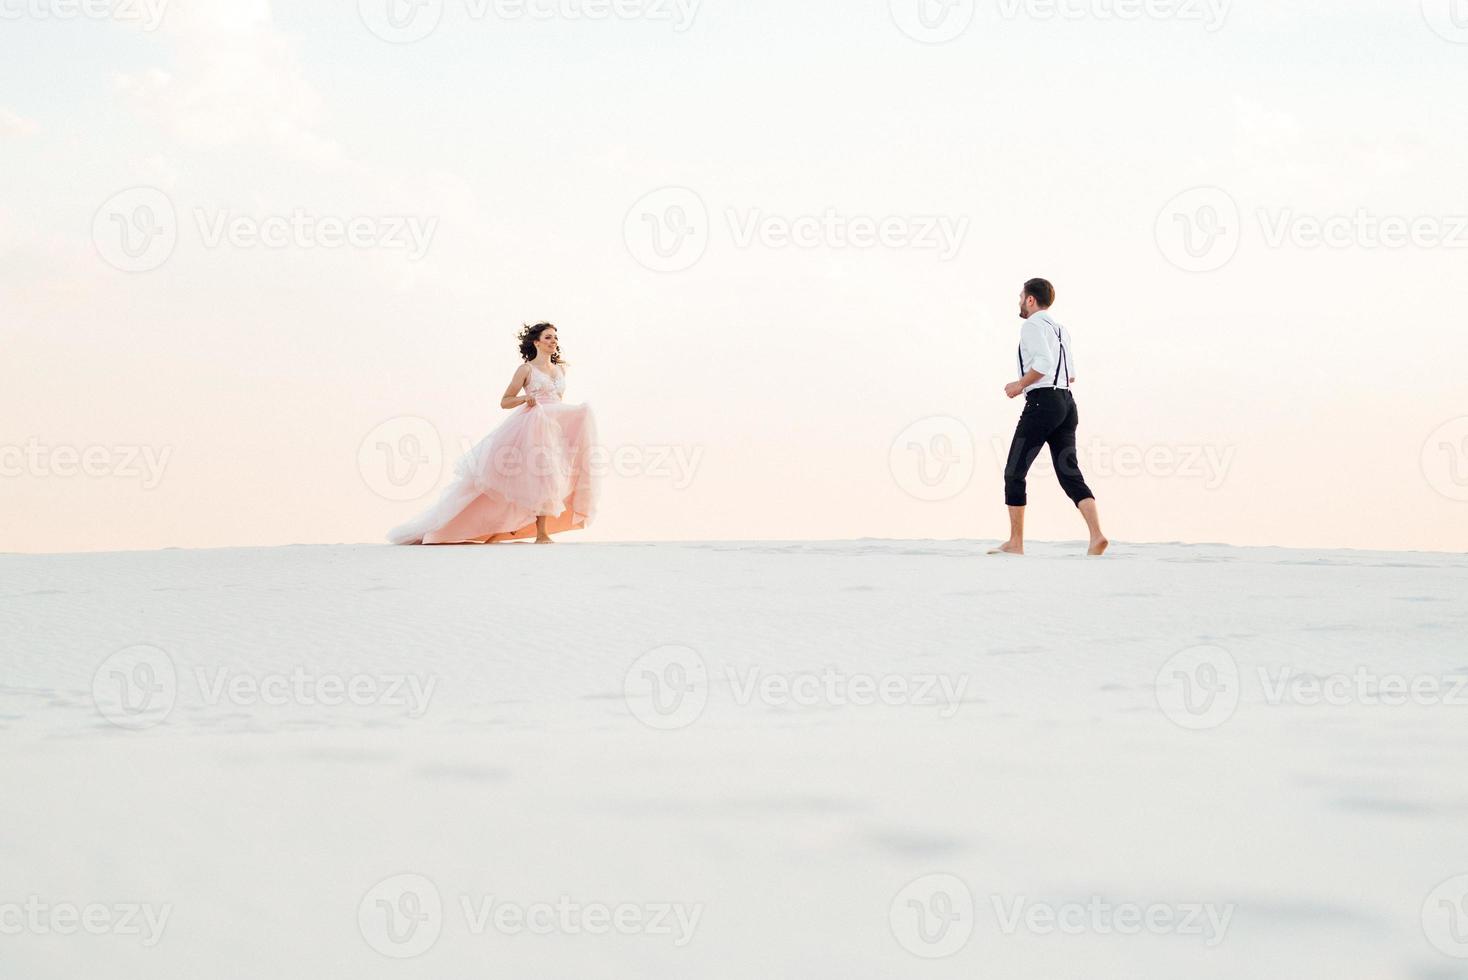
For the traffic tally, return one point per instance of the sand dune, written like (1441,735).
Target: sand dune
(855,759)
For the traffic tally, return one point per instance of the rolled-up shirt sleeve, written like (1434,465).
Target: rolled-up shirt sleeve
(1036,351)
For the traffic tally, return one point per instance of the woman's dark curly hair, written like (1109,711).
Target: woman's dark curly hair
(530,335)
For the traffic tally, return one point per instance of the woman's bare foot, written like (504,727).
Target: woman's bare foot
(1098,546)
(544,539)
(1009,548)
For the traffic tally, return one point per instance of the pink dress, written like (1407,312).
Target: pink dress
(537,464)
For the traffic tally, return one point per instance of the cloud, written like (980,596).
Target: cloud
(237,81)
(15,126)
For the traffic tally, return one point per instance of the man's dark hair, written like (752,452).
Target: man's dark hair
(1042,292)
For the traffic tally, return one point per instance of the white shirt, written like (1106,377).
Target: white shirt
(1042,342)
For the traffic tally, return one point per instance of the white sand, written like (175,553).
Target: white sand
(784,833)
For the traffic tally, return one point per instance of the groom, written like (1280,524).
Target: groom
(1047,370)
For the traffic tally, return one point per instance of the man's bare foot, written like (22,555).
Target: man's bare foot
(1009,548)
(1098,546)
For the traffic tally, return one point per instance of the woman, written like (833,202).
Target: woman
(532,474)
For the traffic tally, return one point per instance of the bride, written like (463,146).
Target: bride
(532,474)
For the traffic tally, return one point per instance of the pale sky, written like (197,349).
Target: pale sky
(782,243)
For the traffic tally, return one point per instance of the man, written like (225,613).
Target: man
(1047,370)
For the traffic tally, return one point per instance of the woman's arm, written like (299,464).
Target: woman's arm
(512,398)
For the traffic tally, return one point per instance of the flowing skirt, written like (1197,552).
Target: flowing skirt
(538,464)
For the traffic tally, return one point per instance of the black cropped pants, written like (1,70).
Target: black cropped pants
(1049,417)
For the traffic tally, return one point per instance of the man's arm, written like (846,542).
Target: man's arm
(1016,388)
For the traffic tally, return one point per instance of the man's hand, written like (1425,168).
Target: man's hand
(1014,389)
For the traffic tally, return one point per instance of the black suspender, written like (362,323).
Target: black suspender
(1061,365)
